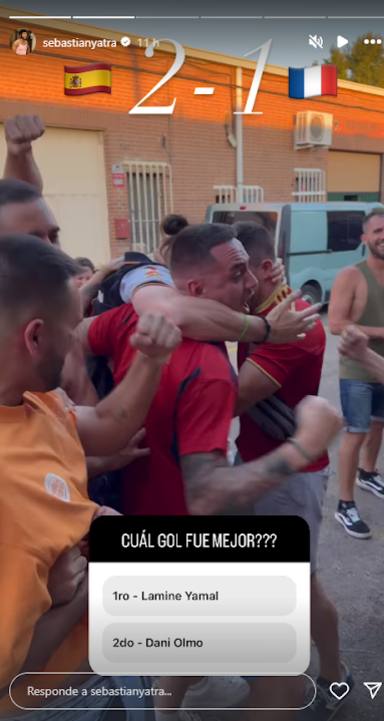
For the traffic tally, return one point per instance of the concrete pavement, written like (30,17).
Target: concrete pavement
(351,571)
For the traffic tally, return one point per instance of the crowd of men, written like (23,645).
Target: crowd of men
(172,389)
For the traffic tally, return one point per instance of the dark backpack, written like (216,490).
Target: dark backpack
(109,294)
(109,297)
(105,489)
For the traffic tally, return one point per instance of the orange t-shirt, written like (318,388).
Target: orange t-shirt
(44,511)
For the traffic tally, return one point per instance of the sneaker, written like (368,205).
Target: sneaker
(349,517)
(378,477)
(214,692)
(372,482)
(325,706)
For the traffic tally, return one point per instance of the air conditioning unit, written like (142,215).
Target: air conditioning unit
(313,128)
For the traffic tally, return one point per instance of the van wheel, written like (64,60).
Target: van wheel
(311,293)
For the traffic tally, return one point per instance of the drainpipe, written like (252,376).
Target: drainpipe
(239,136)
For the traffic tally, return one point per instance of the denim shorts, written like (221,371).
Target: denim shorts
(361,402)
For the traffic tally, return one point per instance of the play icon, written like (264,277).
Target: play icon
(373,688)
(341,41)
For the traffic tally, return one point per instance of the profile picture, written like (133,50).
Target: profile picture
(23,41)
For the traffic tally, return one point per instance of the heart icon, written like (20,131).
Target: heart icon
(339,690)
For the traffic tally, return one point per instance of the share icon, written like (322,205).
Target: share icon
(373,688)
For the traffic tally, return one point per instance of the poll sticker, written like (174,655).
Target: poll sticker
(199,596)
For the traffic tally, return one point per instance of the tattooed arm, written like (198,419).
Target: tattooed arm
(212,486)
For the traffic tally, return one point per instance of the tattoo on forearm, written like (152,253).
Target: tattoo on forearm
(274,468)
(212,486)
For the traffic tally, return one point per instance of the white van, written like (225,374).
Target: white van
(314,240)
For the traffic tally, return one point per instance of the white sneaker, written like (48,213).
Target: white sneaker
(216,692)
(378,478)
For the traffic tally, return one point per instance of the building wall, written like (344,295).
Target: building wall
(194,140)
(354,173)
(78,199)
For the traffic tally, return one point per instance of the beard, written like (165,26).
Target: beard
(49,371)
(375,251)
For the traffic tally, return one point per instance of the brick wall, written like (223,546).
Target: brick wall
(193,141)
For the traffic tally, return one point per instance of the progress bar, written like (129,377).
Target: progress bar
(355,17)
(40,17)
(295,17)
(103,17)
(231,17)
(196,17)
(168,17)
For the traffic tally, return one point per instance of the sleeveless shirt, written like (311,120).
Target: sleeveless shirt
(372,315)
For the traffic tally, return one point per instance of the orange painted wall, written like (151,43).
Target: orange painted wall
(193,140)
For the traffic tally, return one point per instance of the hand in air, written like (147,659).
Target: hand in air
(21,131)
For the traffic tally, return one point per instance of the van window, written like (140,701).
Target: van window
(267,219)
(344,229)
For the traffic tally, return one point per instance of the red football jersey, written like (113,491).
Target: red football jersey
(191,412)
(296,367)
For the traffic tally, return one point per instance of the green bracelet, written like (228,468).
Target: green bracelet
(301,450)
(247,320)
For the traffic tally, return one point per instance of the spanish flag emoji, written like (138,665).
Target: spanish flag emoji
(85,79)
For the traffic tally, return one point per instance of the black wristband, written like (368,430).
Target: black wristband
(268,329)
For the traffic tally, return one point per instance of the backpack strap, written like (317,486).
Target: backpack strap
(274,417)
(118,287)
(143,275)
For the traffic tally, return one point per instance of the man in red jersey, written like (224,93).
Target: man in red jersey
(192,413)
(272,381)
(188,424)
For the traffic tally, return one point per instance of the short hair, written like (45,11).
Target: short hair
(192,246)
(257,241)
(85,263)
(375,212)
(17,191)
(33,276)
